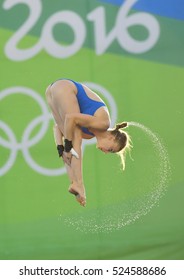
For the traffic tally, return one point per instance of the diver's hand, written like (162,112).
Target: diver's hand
(67,158)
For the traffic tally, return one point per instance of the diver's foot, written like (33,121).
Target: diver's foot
(81,199)
(79,194)
(72,191)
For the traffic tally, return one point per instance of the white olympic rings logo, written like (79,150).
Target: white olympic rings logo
(26,142)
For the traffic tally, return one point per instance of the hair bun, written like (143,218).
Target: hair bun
(121,125)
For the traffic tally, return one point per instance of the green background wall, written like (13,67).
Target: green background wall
(136,214)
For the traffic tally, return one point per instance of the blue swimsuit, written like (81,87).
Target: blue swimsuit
(86,104)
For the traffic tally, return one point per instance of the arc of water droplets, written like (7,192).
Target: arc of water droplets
(162,153)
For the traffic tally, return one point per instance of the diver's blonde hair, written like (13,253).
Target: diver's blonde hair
(124,141)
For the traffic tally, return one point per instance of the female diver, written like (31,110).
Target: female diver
(79,113)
